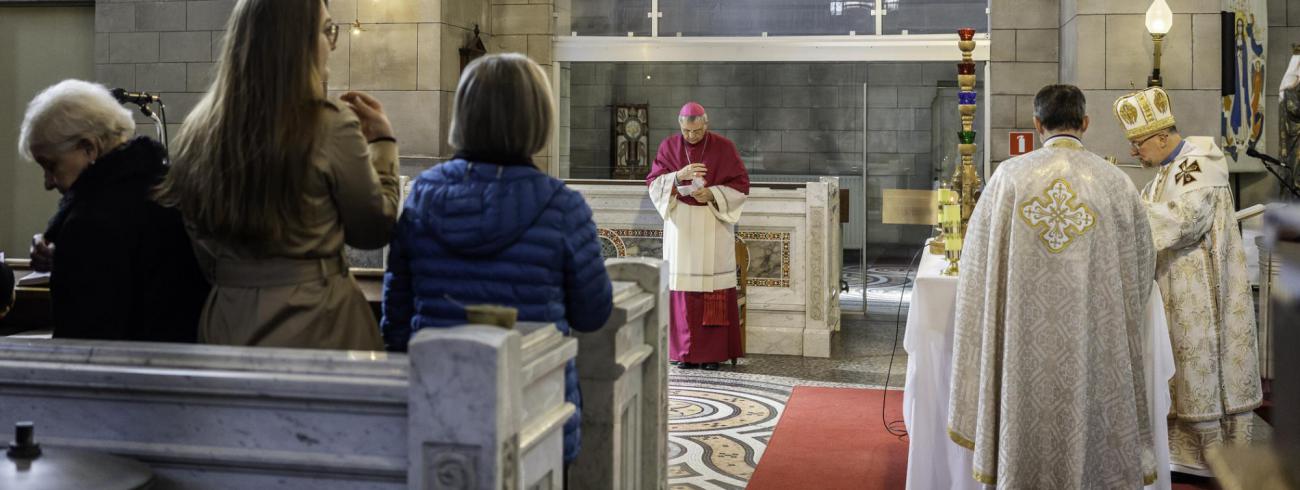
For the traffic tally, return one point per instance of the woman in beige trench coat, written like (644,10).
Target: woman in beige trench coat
(273,179)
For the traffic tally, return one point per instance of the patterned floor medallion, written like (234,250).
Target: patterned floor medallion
(881,286)
(720,423)
(719,428)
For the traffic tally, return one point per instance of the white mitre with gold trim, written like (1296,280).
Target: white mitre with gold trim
(1144,113)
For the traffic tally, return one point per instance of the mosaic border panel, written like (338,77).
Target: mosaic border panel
(619,247)
(784,238)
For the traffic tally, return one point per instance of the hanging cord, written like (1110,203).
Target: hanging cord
(897,427)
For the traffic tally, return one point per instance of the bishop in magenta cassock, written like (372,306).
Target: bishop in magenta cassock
(698,185)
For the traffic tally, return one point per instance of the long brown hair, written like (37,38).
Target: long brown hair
(242,155)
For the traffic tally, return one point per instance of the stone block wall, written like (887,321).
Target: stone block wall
(406,56)
(1109,54)
(1026,55)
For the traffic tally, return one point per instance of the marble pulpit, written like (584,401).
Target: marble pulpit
(793,235)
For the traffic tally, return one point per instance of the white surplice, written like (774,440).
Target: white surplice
(699,241)
(1049,383)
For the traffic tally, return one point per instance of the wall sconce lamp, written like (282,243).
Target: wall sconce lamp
(1159,20)
(356,28)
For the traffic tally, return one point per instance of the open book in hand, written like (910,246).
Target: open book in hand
(35,279)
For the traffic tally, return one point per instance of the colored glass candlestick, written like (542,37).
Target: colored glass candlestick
(967,98)
(965,68)
(966,137)
(966,33)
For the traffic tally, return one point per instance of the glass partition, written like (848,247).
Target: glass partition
(745,18)
(610,17)
(934,16)
(755,17)
(879,127)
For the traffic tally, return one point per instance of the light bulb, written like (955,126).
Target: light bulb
(1159,18)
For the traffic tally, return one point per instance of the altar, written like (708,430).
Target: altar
(792,232)
(933,460)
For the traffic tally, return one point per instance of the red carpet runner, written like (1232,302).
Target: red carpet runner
(832,438)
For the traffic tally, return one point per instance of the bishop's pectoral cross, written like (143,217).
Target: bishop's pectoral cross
(1185,171)
(1059,221)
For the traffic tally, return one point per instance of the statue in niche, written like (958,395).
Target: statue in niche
(631,142)
(1289,115)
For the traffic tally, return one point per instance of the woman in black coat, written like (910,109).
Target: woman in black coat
(122,267)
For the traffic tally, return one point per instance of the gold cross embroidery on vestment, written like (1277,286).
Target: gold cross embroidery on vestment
(1057,218)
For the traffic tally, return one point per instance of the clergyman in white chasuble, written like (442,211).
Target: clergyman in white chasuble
(1048,384)
(1201,271)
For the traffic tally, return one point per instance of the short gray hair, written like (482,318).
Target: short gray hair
(690,119)
(502,107)
(72,111)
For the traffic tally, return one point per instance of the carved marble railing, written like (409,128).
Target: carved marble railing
(471,407)
(623,371)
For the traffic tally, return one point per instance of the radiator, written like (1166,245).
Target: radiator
(853,233)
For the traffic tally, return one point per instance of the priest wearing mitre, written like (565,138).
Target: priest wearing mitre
(1201,271)
(698,185)
(1048,385)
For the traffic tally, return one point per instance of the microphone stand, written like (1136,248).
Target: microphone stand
(1268,160)
(160,124)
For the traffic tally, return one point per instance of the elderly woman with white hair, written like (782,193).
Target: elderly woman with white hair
(122,267)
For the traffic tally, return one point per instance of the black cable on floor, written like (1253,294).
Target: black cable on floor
(897,427)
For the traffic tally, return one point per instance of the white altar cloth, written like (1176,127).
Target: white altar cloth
(934,462)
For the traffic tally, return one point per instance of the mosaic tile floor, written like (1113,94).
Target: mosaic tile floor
(718,429)
(720,422)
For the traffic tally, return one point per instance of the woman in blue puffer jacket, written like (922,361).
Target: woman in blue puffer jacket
(488,227)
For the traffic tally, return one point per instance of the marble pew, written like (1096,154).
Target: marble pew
(623,370)
(470,407)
